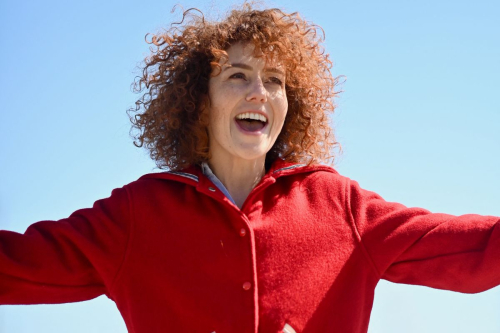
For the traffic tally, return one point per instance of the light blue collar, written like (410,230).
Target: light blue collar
(213,178)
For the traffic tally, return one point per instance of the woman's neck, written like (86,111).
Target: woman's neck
(239,176)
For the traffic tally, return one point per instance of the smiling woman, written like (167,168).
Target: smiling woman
(172,116)
(247,110)
(245,231)
(237,95)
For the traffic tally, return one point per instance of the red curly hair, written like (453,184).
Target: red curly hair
(170,117)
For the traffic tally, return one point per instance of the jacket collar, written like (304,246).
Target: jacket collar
(193,175)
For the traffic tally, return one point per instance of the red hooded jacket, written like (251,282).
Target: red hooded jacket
(306,251)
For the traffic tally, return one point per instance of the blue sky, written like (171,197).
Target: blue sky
(418,120)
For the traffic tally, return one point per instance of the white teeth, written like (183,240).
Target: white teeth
(252,115)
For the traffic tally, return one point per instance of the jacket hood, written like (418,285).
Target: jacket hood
(193,174)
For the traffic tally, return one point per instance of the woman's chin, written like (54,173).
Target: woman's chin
(250,152)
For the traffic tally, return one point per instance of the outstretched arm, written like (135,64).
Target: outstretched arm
(70,260)
(414,246)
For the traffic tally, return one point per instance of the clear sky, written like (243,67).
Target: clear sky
(418,120)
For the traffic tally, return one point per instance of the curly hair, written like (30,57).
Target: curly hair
(170,117)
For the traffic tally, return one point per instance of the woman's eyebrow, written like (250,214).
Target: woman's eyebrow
(248,67)
(274,70)
(244,66)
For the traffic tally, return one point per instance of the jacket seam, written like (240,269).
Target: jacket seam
(290,167)
(356,230)
(184,174)
(127,246)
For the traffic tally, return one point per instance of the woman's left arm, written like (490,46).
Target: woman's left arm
(415,246)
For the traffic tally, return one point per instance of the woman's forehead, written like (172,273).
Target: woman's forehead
(246,53)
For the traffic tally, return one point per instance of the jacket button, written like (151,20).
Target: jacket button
(243,232)
(211,189)
(247,286)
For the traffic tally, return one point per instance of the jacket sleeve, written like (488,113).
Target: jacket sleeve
(70,260)
(414,246)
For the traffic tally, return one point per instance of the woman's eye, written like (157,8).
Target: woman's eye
(275,80)
(237,76)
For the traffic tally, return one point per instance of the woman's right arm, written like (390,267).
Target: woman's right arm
(69,260)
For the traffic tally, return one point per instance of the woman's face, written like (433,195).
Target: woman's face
(248,106)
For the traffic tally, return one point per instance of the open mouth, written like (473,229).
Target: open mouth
(251,121)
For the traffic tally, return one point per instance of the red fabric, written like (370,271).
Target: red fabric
(170,252)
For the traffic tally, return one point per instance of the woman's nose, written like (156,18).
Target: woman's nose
(257,92)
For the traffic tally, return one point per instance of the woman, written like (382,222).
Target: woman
(246,232)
